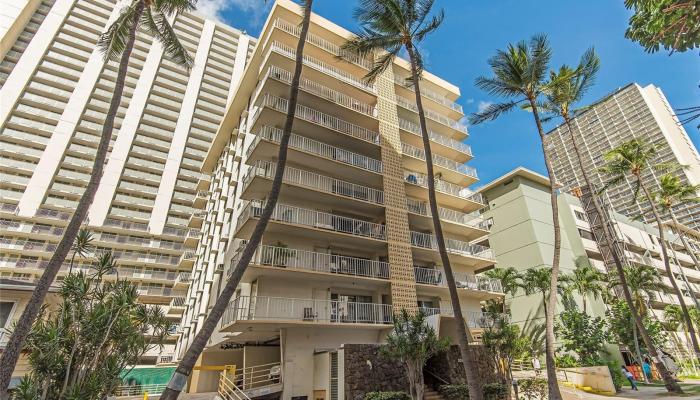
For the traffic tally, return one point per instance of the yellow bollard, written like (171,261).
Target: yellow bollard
(145,395)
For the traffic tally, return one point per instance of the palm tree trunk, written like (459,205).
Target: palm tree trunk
(689,251)
(11,353)
(463,334)
(671,385)
(554,393)
(636,347)
(667,266)
(184,369)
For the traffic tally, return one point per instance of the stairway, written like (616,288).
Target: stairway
(430,394)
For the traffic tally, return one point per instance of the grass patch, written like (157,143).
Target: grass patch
(690,389)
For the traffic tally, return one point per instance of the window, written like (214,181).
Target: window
(579,215)
(586,234)
(6,308)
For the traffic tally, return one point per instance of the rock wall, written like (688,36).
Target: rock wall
(384,375)
(448,365)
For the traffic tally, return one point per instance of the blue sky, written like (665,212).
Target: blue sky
(474,29)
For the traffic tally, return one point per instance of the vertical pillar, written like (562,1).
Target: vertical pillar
(401,276)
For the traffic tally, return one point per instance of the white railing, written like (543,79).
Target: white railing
(428,241)
(319,118)
(257,377)
(436,277)
(137,390)
(473,319)
(438,98)
(439,160)
(410,127)
(315,219)
(323,67)
(319,90)
(266,169)
(177,302)
(303,260)
(411,105)
(161,291)
(416,178)
(117,223)
(262,308)
(473,219)
(315,147)
(228,390)
(324,44)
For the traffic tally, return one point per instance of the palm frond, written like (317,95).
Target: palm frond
(492,111)
(540,53)
(113,42)
(158,25)
(421,32)
(170,7)
(380,65)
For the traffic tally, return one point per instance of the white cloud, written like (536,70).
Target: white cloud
(214,9)
(483,105)
(470,101)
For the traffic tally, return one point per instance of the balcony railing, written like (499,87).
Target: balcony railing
(436,277)
(319,148)
(410,127)
(323,67)
(322,43)
(303,260)
(411,105)
(428,241)
(316,219)
(262,308)
(474,319)
(473,219)
(319,118)
(266,169)
(319,90)
(161,291)
(439,160)
(438,98)
(117,223)
(416,178)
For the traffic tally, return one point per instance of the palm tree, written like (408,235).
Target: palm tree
(116,43)
(634,158)
(587,281)
(184,369)
(509,278)
(536,280)
(671,193)
(81,247)
(566,88)
(387,28)
(673,318)
(519,74)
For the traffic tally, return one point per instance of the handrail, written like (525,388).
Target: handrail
(266,169)
(419,179)
(434,276)
(438,98)
(439,160)
(428,241)
(228,390)
(430,114)
(410,127)
(473,219)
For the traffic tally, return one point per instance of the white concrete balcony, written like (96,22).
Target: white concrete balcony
(461,252)
(443,120)
(197,219)
(125,225)
(474,283)
(448,194)
(192,237)
(323,156)
(315,118)
(160,292)
(429,94)
(201,199)
(455,222)
(473,319)
(451,170)
(187,259)
(26,247)
(289,259)
(284,311)
(312,224)
(258,181)
(451,148)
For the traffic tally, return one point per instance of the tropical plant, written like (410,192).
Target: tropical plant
(81,247)
(586,280)
(582,334)
(184,368)
(622,328)
(116,43)
(534,388)
(635,158)
(565,89)
(672,192)
(509,278)
(505,343)
(536,281)
(519,73)
(674,321)
(387,396)
(412,342)
(671,24)
(386,28)
(79,350)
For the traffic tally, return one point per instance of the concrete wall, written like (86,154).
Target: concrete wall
(207,381)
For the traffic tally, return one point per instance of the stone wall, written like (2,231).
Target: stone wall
(383,375)
(448,365)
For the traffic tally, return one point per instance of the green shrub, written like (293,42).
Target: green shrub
(566,361)
(387,396)
(495,391)
(454,392)
(617,377)
(533,389)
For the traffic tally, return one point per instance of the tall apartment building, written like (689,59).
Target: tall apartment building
(350,241)
(632,112)
(519,213)
(55,89)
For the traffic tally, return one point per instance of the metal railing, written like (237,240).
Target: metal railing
(438,160)
(319,90)
(258,376)
(137,390)
(436,277)
(315,147)
(303,260)
(473,219)
(473,319)
(410,127)
(428,241)
(418,179)
(438,98)
(319,118)
(323,67)
(411,105)
(266,169)
(263,308)
(228,390)
(315,219)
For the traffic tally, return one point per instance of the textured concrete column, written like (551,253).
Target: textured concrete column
(401,276)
